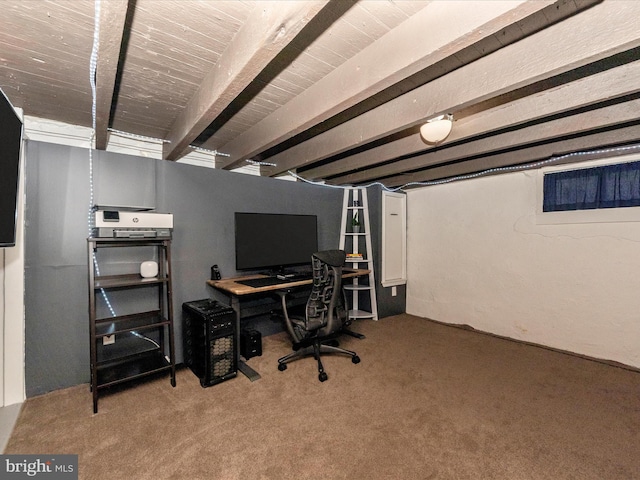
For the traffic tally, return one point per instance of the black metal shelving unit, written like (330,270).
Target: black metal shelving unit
(134,354)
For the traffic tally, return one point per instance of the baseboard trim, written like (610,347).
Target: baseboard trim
(611,363)
(8,418)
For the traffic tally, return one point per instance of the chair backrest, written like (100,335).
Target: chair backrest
(326,306)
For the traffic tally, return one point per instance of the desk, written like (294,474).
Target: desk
(237,291)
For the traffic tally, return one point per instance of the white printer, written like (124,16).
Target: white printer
(127,222)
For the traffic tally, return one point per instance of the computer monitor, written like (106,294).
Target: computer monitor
(274,241)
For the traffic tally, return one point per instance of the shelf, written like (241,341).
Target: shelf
(353,287)
(131,367)
(128,323)
(128,242)
(128,280)
(125,346)
(360,314)
(355,203)
(143,341)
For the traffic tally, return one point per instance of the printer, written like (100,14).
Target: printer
(125,223)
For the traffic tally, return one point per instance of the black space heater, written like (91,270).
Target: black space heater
(209,340)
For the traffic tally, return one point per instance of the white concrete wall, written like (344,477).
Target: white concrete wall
(478,254)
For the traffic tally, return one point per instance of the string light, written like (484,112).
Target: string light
(137,136)
(526,166)
(93,62)
(512,168)
(92,79)
(265,164)
(205,150)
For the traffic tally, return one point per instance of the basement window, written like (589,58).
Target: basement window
(609,186)
(600,193)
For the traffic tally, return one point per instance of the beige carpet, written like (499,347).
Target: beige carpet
(427,401)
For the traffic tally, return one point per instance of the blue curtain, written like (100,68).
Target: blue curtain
(608,186)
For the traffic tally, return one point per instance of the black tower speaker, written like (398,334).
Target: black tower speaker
(209,337)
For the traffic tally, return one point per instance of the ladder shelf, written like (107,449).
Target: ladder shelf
(356,211)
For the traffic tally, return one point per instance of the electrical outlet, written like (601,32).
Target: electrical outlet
(109,340)
(394,291)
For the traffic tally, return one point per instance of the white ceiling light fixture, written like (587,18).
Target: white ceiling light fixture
(437,129)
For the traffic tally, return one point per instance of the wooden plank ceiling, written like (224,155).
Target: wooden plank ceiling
(334,90)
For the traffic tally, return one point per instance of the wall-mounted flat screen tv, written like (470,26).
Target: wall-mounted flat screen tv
(10,143)
(274,241)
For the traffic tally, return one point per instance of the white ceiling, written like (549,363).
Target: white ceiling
(336,90)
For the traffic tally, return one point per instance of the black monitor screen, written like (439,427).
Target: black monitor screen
(10,142)
(267,240)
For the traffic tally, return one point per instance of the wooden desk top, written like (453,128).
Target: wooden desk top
(231,285)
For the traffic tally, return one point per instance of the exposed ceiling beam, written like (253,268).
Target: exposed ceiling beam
(543,132)
(585,38)
(112,20)
(269,28)
(439,31)
(595,141)
(618,82)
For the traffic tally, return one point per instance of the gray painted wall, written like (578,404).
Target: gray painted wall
(202,201)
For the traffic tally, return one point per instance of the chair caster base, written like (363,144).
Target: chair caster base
(282,367)
(323,376)
(355,359)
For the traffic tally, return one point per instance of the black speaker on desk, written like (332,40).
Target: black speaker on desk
(209,338)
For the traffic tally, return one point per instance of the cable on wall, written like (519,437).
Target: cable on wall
(513,168)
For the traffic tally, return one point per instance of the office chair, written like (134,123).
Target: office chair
(325,313)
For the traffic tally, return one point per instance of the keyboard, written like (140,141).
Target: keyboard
(266,281)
